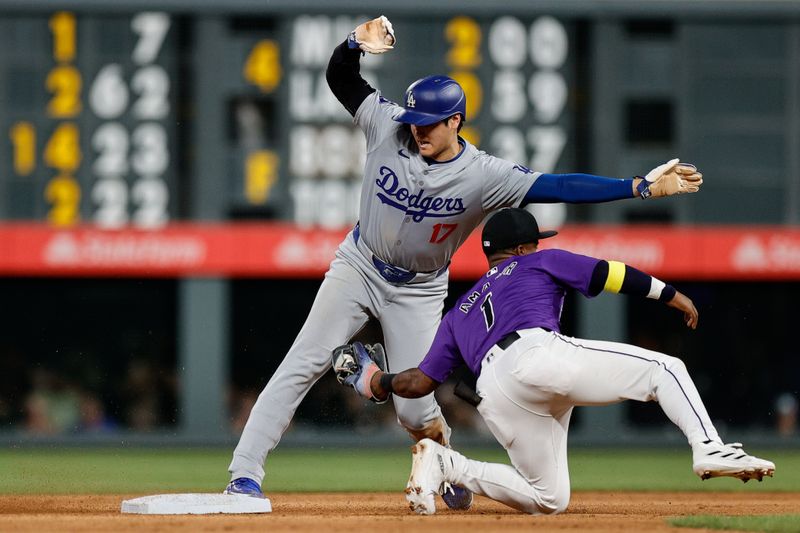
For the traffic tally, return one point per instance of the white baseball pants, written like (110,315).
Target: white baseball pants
(529,391)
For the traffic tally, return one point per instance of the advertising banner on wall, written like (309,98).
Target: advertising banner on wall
(278,250)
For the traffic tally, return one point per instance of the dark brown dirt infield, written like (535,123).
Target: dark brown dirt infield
(323,512)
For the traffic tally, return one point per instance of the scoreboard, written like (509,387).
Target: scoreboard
(121,118)
(516,72)
(99,111)
(89,111)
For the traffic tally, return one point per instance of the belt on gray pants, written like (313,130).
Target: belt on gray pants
(395,274)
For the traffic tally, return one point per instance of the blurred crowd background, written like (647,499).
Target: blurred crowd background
(77,373)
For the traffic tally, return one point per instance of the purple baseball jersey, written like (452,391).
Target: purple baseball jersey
(519,293)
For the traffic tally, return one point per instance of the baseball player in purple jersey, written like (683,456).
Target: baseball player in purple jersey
(530,376)
(425,189)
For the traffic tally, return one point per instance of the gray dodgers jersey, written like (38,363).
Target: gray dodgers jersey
(521,292)
(414,215)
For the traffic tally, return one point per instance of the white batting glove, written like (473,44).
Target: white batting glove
(375,36)
(673,177)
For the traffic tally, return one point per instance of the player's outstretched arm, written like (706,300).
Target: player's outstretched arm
(364,368)
(411,383)
(578,189)
(668,179)
(344,70)
(614,276)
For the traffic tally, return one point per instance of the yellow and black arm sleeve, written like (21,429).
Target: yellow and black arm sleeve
(613,276)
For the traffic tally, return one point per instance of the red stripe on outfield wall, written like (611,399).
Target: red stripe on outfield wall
(286,251)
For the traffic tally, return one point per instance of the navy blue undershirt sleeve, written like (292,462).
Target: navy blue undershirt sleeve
(635,282)
(577,189)
(599,277)
(344,78)
(638,283)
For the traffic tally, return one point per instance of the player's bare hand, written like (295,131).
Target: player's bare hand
(673,177)
(683,303)
(375,36)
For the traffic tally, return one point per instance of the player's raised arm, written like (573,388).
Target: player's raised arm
(613,276)
(670,178)
(344,70)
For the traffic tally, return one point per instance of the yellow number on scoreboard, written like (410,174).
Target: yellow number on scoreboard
(471,134)
(473,89)
(62,26)
(64,194)
(23,137)
(263,65)
(65,84)
(465,35)
(63,149)
(261,171)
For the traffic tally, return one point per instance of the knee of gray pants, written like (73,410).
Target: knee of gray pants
(422,418)
(416,413)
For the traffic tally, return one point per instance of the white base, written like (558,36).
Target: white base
(196,504)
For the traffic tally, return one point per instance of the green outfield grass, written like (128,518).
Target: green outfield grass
(72,471)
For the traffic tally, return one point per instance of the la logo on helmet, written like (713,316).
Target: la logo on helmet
(410,102)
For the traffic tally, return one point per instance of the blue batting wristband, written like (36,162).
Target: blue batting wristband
(352,43)
(643,188)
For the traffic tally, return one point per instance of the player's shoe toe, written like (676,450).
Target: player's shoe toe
(427,477)
(713,459)
(244,486)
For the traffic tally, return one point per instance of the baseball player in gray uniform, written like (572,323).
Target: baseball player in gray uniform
(425,189)
(530,376)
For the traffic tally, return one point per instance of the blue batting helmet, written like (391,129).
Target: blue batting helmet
(432,99)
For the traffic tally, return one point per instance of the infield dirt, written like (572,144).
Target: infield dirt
(322,512)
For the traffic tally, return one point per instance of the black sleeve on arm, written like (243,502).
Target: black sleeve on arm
(599,277)
(344,78)
(633,281)
(639,283)
(636,282)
